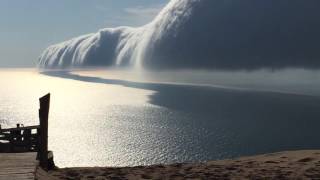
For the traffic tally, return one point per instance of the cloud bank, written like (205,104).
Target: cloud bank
(217,34)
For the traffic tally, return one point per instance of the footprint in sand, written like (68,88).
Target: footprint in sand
(308,159)
(271,162)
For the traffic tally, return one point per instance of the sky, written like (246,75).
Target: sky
(27,27)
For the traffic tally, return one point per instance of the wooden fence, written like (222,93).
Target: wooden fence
(20,139)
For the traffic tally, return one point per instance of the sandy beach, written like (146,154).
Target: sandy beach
(283,165)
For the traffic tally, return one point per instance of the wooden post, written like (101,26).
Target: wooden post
(43,117)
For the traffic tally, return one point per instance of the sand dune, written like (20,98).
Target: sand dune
(283,165)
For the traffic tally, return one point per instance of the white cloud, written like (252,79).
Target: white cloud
(129,16)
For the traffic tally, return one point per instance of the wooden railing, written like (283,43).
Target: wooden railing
(20,139)
(30,138)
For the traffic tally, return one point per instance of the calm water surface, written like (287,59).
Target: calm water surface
(122,118)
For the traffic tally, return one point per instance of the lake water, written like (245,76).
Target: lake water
(127,118)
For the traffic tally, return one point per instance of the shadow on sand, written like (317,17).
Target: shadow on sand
(261,121)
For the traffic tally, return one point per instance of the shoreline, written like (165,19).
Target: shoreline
(302,164)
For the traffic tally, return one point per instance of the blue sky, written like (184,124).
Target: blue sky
(28,26)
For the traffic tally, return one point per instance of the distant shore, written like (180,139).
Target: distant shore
(303,164)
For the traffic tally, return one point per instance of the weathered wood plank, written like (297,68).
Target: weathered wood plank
(15,177)
(18,166)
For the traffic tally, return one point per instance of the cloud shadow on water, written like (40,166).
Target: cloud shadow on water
(256,121)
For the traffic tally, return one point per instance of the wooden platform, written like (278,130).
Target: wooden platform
(18,166)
